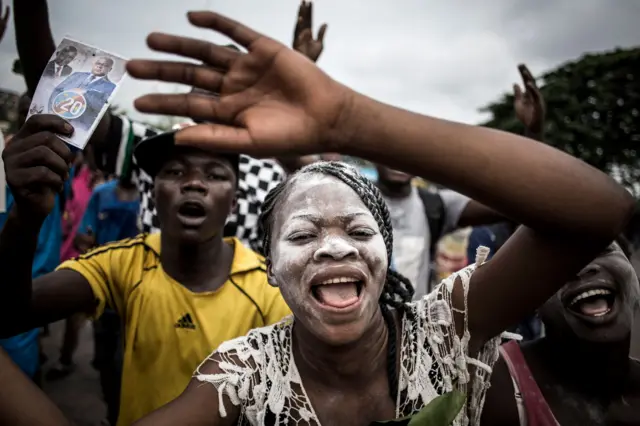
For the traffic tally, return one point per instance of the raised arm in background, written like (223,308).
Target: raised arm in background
(22,403)
(304,43)
(275,101)
(4,19)
(37,164)
(530,109)
(35,45)
(529,105)
(33,39)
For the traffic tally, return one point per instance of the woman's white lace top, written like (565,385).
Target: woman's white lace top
(258,372)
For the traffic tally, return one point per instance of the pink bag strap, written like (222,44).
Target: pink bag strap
(538,411)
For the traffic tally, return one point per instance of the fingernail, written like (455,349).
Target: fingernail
(68,127)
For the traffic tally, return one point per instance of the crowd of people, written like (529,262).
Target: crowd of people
(240,270)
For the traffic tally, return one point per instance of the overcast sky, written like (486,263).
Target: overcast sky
(444,58)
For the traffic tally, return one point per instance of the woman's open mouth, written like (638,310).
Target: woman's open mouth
(593,303)
(339,292)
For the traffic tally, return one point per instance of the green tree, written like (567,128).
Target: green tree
(593,111)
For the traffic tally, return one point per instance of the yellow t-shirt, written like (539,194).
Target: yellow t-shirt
(169,330)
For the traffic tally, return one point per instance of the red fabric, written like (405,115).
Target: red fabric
(538,411)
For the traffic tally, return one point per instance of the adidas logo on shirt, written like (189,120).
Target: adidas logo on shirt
(186,322)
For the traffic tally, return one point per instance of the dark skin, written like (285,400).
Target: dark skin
(35,44)
(4,19)
(322,229)
(303,40)
(274,102)
(397,184)
(205,183)
(529,104)
(355,387)
(37,164)
(582,365)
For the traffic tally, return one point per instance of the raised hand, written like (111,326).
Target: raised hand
(272,100)
(4,19)
(303,40)
(529,105)
(37,163)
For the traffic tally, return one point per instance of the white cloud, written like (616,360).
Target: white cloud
(441,58)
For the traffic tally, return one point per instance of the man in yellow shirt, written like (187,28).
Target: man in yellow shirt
(180,293)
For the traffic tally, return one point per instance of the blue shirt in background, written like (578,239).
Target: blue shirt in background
(481,236)
(109,218)
(23,348)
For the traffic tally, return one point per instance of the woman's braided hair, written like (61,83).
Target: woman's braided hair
(397,289)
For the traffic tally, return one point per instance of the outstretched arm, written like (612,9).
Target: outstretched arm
(36,164)
(529,105)
(22,403)
(4,19)
(36,46)
(304,43)
(198,405)
(33,39)
(275,101)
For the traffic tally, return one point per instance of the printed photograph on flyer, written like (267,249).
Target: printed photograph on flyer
(78,84)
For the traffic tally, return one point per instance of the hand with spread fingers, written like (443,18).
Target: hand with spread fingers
(37,163)
(303,40)
(529,104)
(4,19)
(271,101)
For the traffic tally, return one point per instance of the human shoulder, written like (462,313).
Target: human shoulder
(245,260)
(245,369)
(128,246)
(452,201)
(79,74)
(105,187)
(239,357)
(634,373)
(249,273)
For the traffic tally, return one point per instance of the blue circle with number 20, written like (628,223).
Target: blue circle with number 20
(69,104)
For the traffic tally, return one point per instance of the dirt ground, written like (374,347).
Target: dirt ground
(79,396)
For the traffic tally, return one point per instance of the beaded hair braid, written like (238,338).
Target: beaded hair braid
(397,289)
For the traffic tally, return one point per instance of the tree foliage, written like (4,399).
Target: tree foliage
(593,111)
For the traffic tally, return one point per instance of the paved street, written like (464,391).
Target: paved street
(78,395)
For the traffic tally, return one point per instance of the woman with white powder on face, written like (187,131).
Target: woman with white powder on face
(356,350)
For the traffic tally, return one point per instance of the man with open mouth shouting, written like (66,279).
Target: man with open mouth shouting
(580,372)
(180,292)
(357,350)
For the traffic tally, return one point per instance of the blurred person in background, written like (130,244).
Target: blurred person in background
(530,109)
(421,217)
(111,215)
(24,348)
(83,180)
